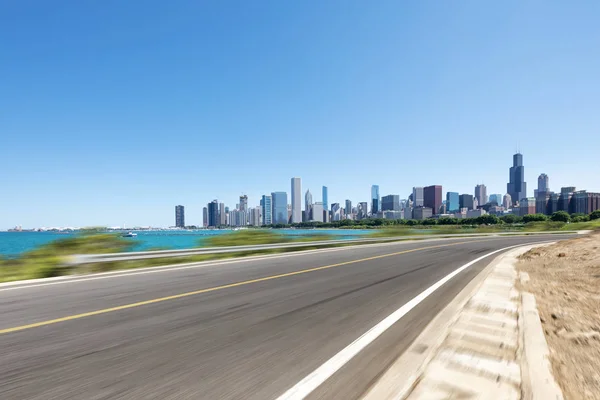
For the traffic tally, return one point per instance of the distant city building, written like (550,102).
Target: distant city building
(179,217)
(348,208)
(267,210)
(496,198)
(255,216)
(517,187)
(421,213)
(475,203)
(279,202)
(375,199)
(335,212)
(507,201)
(243,203)
(565,200)
(465,201)
(296,200)
(317,212)
(308,203)
(390,202)
(391,214)
(476,213)
(205,217)
(417,197)
(527,206)
(452,202)
(213,214)
(432,197)
(496,210)
(543,184)
(222,215)
(481,194)
(325,203)
(585,202)
(362,210)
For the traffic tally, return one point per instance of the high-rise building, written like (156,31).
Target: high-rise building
(213,214)
(325,199)
(452,202)
(432,197)
(348,208)
(481,194)
(465,201)
(362,210)
(543,183)
(496,198)
(417,196)
(527,206)
(308,203)
(565,201)
(586,202)
(317,212)
(507,201)
(267,210)
(222,214)
(296,200)
(255,216)
(390,203)
(279,200)
(517,187)
(335,212)
(205,217)
(179,217)
(375,199)
(243,203)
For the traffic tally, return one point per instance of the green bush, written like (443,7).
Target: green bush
(560,216)
(595,215)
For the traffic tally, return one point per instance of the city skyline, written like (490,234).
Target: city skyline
(123,136)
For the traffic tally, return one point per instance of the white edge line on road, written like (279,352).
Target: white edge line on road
(176,267)
(326,370)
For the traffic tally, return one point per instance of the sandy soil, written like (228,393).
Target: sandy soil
(565,279)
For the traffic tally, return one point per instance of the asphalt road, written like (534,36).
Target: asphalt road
(234,330)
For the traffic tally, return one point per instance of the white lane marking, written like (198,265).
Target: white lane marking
(326,370)
(176,267)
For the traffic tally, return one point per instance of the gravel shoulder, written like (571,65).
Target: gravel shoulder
(565,279)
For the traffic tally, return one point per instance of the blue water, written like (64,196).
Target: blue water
(14,243)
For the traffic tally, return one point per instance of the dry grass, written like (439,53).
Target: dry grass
(565,279)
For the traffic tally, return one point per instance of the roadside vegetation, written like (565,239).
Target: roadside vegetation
(51,260)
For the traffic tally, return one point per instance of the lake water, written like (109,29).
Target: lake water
(14,243)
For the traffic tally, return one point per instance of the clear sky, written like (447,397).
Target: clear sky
(113,112)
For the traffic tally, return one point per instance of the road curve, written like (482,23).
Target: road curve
(231,330)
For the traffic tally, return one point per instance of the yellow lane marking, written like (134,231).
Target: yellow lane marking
(213,289)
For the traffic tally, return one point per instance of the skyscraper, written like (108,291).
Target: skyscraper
(362,210)
(390,203)
(279,200)
(222,214)
(205,217)
(335,212)
(243,203)
(481,194)
(517,187)
(466,201)
(317,212)
(432,198)
(417,196)
(308,203)
(507,201)
(496,198)
(348,207)
(452,202)
(543,183)
(267,210)
(325,200)
(213,214)
(179,217)
(375,199)
(296,200)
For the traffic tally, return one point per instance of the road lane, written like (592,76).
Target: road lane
(251,341)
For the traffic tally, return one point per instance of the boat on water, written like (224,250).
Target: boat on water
(129,234)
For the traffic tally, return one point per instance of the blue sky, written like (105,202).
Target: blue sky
(113,112)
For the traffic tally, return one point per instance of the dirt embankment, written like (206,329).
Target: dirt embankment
(565,279)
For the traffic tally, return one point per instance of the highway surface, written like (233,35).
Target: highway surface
(249,329)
